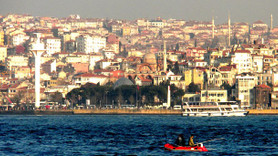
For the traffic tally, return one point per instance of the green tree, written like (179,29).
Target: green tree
(56,97)
(177,46)
(17,98)
(176,94)
(192,88)
(73,96)
(69,69)
(227,87)
(214,43)
(176,68)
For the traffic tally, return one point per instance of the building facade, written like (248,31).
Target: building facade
(245,89)
(90,44)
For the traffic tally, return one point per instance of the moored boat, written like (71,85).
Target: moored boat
(229,108)
(199,148)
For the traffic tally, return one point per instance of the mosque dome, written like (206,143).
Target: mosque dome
(62,74)
(122,81)
(149,58)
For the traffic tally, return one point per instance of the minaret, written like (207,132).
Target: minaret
(271,23)
(212,27)
(229,31)
(37,47)
(168,97)
(164,57)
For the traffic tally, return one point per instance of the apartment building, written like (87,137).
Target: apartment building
(52,45)
(90,44)
(244,89)
(243,61)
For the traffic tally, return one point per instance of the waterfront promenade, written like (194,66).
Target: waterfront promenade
(118,112)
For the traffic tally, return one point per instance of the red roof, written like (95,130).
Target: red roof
(259,22)
(264,86)
(4,87)
(242,51)
(225,68)
(144,80)
(102,70)
(91,75)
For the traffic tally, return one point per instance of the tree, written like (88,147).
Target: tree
(176,94)
(176,68)
(56,97)
(177,46)
(72,96)
(227,87)
(17,98)
(69,69)
(192,88)
(214,43)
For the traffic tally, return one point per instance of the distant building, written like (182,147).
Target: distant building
(19,39)
(214,95)
(2,38)
(262,96)
(245,89)
(274,98)
(194,75)
(243,60)
(90,44)
(189,97)
(91,78)
(3,53)
(52,45)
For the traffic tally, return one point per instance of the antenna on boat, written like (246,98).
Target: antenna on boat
(212,140)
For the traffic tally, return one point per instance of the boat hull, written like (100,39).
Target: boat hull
(185,148)
(202,114)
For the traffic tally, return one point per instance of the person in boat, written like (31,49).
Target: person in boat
(190,141)
(180,141)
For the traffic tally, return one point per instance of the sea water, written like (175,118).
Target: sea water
(136,134)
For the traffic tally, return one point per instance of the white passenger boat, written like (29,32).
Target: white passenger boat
(229,108)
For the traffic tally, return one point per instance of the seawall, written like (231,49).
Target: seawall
(37,112)
(128,111)
(263,112)
(118,112)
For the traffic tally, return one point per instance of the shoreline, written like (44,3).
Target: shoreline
(118,112)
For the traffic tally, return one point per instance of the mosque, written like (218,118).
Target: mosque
(149,67)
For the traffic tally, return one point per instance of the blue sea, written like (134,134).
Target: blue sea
(135,134)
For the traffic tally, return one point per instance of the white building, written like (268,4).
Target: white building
(244,89)
(257,63)
(199,63)
(214,77)
(89,44)
(108,54)
(3,53)
(214,95)
(93,59)
(19,39)
(16,61)
(243,60)
(91,78)
(52,45)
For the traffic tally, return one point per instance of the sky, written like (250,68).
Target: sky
(202,10)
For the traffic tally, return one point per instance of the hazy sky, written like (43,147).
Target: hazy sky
(240,10)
